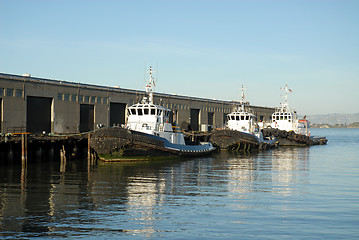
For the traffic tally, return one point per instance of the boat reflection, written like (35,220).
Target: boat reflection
(129,198)
(275,171)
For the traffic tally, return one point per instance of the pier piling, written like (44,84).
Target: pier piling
(89,149)
(63,159)
(24,149)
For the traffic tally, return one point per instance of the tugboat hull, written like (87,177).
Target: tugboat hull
(238,141)
(291,138)
(116,144)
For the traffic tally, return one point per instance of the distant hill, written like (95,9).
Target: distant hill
(333,118)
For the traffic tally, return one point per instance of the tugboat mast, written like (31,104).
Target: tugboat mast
(285,106)
(150,86)
(242,100)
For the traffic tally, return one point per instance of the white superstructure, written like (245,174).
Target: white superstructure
(150,118)
(242,119)
(285,119)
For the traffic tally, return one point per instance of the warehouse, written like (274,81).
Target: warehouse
(37,105)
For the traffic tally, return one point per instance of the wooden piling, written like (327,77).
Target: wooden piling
(10,154)
(39,152)
(51,152)
(63,159)
(24,149)
(89,150)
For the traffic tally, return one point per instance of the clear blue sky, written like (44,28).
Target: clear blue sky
(200,48)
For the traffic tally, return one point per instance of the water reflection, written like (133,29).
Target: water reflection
(136,198)
(275,171)
(289,167)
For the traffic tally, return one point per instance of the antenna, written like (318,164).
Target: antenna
(243,97)
(150,86)
(242,101)
(286,90)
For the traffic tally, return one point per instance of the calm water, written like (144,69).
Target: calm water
(287,193)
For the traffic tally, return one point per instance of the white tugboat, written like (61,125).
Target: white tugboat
(286,119)
(243,130)
(153,119)
(148,132)
(242,119)
(288,128)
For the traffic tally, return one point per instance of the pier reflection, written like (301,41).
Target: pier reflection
(129,198)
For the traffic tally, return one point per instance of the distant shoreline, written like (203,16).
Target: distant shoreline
(323,125)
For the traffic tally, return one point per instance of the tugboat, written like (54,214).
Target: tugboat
(242,131)
(288,128)
(152,119)
(148,133)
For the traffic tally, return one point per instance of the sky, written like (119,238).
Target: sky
(200,48)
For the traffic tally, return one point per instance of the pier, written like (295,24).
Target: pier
(27,148)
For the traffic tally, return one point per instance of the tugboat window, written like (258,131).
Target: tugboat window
(140,112)
(133,111)
(146,111)
(153,111)
(237,118)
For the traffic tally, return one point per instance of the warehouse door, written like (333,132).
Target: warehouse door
(38,114)
(87,117)
(117,114)
(210,121)
(194,120)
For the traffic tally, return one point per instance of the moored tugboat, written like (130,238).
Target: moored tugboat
(147,134)
(242,131)
(289,129)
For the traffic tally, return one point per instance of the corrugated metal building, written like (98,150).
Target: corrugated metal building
(42,105)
